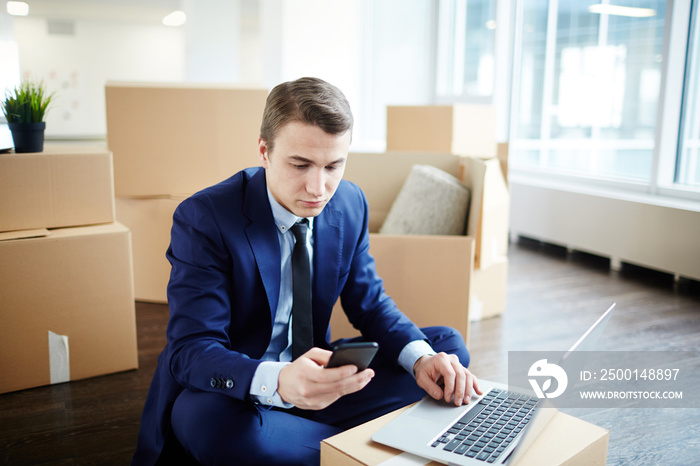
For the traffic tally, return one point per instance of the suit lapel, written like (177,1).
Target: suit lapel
(328,231)
(262,237)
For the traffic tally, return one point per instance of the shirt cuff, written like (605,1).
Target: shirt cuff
(412,352)
(263,387)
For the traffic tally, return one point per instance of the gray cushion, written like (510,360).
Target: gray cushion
(431,202)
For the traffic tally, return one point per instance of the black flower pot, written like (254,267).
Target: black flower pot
(28,137)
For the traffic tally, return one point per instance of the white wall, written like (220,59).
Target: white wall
(212,40)
(314,38)
(377,52)
(78,66)
(640,229)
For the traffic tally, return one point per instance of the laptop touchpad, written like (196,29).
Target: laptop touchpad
(437,411)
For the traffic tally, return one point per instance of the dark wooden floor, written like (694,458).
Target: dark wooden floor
(552,296)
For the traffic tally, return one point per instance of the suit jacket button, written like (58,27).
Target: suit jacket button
(212,382)
(229,384)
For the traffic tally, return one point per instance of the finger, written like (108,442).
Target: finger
(469,382)
(475,385)
(449,378)
(318,355)
(346,385)
(430,386)
(461,392)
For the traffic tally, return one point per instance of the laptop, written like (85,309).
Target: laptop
(494,428)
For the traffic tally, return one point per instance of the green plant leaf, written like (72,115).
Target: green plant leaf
(27,103)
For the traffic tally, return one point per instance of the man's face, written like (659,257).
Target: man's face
(305,166)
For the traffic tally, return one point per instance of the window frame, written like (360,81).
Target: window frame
(667,142)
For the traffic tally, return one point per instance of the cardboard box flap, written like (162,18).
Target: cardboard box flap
(23,234)
(489,209)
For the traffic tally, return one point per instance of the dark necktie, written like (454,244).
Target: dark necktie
(302,326)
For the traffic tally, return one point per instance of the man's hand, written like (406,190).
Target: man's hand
(306,384)
(456,379)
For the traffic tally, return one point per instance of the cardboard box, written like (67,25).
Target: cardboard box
(381,176)
(60,187)
(179,139)
(488,290)
(566,440)
(67,306)
(464,129)
(428,277)
(150,221)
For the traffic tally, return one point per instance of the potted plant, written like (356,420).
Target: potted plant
(24,108)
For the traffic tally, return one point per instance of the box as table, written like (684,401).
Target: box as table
(76,283)
(178,139)
(60,187)
(566,440)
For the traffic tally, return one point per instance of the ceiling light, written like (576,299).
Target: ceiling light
(607,9)
(176,18)
(18,8)
(491,24)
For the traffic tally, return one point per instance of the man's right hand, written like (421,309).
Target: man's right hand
(306,384)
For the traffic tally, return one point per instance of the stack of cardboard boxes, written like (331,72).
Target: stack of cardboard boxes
(67,301)
(199,135)
(170,141)
(470,132)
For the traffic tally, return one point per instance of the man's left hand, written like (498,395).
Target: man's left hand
(457,382)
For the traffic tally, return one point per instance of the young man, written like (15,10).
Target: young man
(236,383)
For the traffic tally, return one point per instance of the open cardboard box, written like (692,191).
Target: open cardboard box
(67,308)
(60,187)
(178,139)
(566,440)
(431,277)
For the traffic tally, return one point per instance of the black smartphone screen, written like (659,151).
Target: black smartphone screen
(360,354)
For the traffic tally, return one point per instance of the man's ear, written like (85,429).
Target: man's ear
(263,153)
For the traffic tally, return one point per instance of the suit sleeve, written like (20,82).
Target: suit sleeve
(199,297)
(368,307)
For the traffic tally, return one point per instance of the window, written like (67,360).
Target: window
(688,166)
(587,78)
(466,50)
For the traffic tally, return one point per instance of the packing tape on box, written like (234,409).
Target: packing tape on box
(59,358)
(405,459)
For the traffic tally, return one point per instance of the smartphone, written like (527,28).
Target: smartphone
(360,354)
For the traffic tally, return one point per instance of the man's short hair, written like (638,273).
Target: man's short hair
(307,100)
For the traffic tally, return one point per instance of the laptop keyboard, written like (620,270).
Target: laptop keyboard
(487,429)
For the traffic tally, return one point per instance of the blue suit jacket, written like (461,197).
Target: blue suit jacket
(224,287)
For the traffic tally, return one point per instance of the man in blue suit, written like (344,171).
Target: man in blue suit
(227,389)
